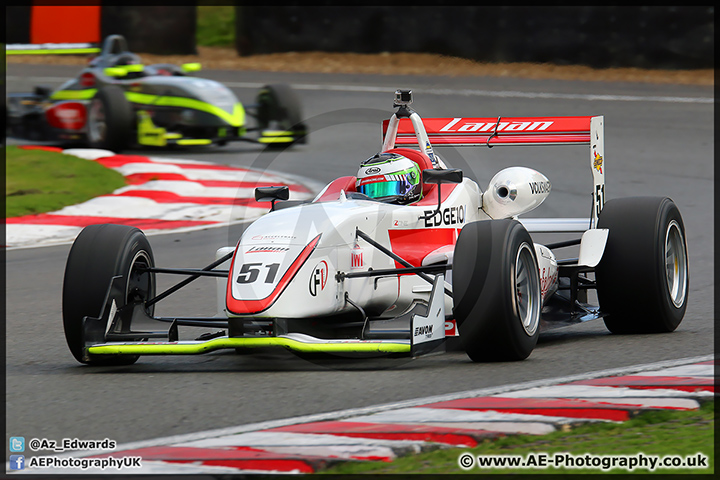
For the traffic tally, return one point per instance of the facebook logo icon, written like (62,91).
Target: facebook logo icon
(17,462)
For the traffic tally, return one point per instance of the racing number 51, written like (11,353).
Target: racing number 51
(249,272)
(599,199)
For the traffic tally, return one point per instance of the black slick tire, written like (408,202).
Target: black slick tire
(110,119)
(642,279)
(496,291)
(279,108)
(99,253)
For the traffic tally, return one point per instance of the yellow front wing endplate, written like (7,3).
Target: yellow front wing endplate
(295,342)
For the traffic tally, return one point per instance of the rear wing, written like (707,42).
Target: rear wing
(408,128)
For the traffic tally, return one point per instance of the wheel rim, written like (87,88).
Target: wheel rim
(527,290)
(96,121)
(140,285)
(675,264)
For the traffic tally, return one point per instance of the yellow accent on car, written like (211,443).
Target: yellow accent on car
(56,51)
(236,118)
(276,136)
(191,348)
(191,67)
(276,133)
(149,133)
(123,70)
(275,139)
(194,141)
(74,94)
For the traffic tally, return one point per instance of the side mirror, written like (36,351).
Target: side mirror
(449,175)
(438,177)
(272,194)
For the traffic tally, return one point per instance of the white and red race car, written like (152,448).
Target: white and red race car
(349,275)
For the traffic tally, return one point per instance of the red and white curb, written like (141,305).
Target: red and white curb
(162,194)
(383,433)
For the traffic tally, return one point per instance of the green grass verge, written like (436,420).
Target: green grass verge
(215,26)
(656,433)
(38,181)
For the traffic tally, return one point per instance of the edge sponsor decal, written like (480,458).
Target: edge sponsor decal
(447,216)
(318,279)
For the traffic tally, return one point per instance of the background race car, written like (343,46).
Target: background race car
(116,102)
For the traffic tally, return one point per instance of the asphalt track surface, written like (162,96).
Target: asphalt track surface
(659,142)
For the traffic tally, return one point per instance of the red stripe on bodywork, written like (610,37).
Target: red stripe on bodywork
(413,245)
(84,221)
(482,140)
(246,307)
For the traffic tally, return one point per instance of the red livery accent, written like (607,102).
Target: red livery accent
(87,79)
(451,328)
(415,244)
(332,192)
(66,116)
(498,131)
(247,307)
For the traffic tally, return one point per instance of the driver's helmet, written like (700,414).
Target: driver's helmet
(389,177)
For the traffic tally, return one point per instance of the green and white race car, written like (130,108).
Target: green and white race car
(116,102)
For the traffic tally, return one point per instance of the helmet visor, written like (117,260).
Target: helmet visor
(385,189)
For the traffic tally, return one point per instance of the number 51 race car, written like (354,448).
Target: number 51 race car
(116,102)
(352,275)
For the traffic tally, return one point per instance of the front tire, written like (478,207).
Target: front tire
(496,290)
(98,254)
(110,119)
(643,278)
(279,109)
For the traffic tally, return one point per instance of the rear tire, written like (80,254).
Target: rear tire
(642,279)
(98,254)
(110,119)
(496,290)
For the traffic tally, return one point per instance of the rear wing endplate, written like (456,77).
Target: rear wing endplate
(491,132)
